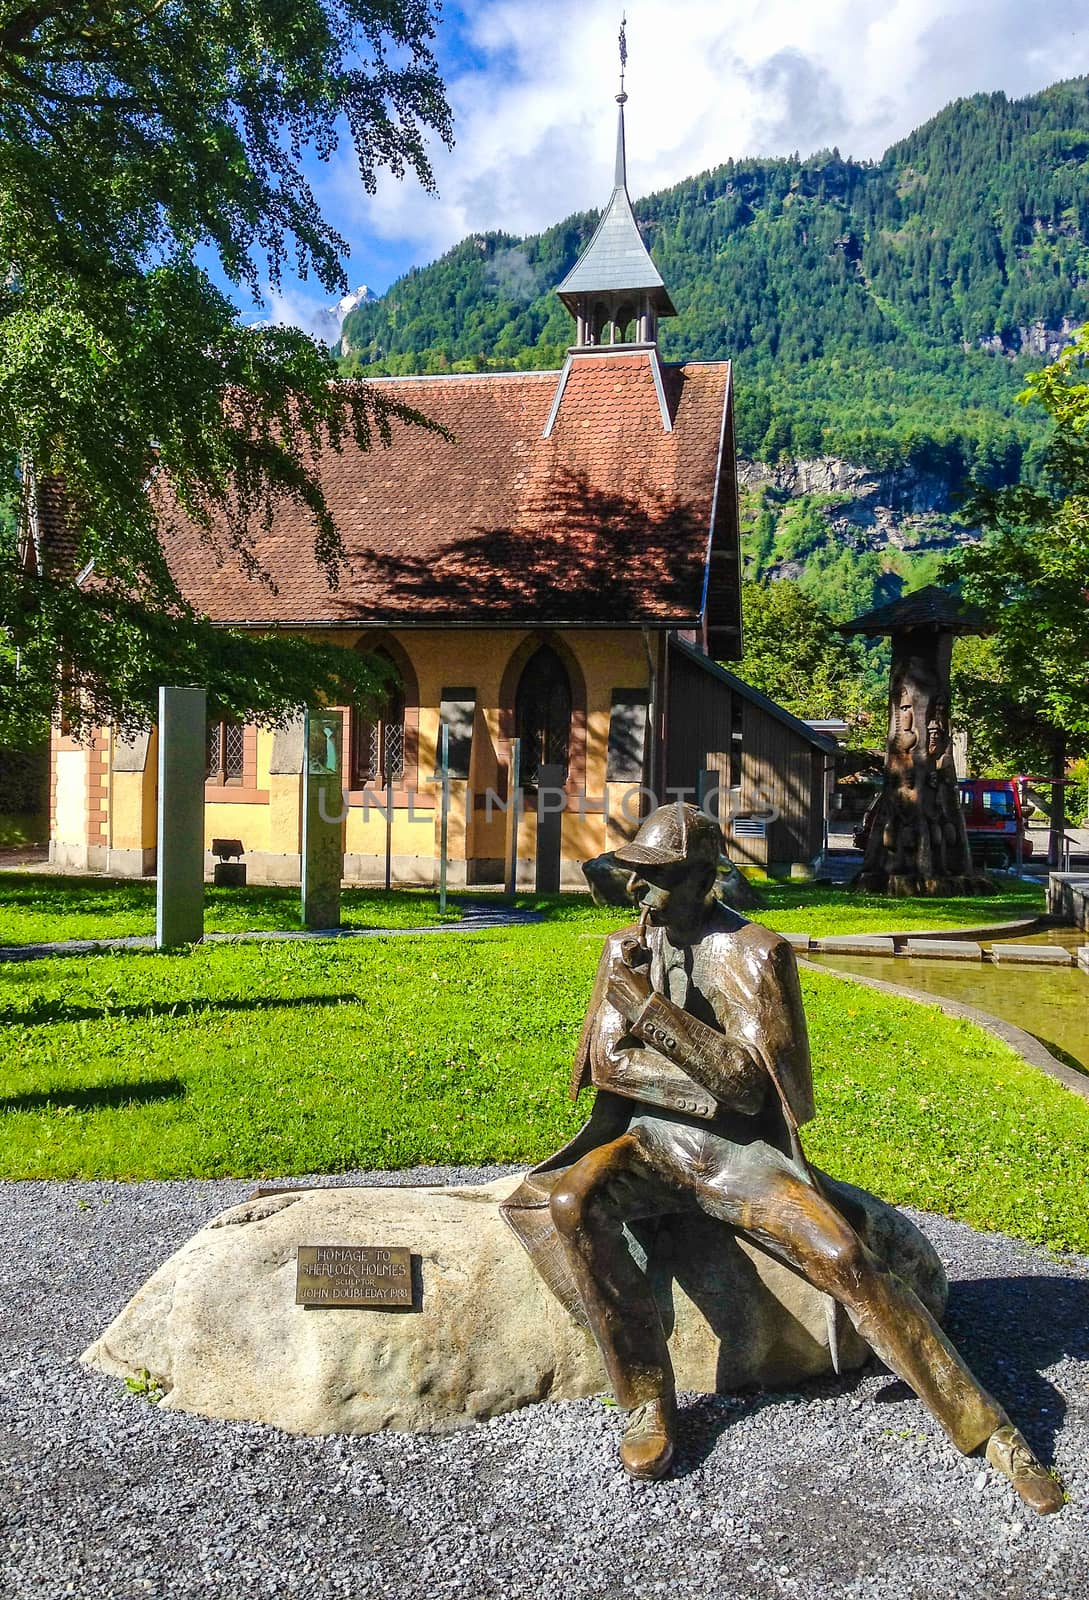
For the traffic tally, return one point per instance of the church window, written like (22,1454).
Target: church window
(378,740)
(542,715)
(226,754)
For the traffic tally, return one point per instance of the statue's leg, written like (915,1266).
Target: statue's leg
(589,1206)
(778,1208)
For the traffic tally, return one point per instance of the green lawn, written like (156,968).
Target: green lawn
(43,907)
(801,908)
(277,1059)
(40,907)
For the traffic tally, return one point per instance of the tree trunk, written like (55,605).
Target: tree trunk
(1058,801)
(918,844)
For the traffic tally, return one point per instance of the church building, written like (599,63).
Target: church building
(561,570)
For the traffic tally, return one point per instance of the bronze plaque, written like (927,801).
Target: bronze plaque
(353,1275)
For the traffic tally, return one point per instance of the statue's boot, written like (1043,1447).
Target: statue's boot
(1010,1455)
(646,1450)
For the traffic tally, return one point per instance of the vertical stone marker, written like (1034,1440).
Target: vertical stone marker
(323,817)
(183,758)
(550,800)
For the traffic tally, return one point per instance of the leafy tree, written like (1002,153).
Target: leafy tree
(794,654)
(1028,692)
(135,136)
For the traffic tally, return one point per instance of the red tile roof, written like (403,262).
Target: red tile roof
(605,521)
(51,538)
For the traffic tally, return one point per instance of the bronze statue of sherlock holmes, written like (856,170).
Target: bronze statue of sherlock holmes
(696,1042)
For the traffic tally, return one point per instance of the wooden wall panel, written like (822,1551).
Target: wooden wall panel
(778,766)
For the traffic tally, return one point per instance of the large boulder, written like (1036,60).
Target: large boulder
(217,1325)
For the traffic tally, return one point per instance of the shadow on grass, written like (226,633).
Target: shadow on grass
(55,1010)
(98,1097)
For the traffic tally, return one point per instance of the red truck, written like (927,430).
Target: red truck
(994,817)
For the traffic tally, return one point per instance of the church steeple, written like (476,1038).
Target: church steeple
(614,291)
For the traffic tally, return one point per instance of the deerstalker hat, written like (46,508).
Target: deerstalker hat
(671,835)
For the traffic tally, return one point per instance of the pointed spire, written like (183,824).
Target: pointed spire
(614,284)
(621,179)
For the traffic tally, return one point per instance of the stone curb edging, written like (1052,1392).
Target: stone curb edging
(983,930)
(949,944)
(844,943)
(1027,1046)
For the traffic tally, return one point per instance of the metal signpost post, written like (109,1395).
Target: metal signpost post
(183,760)
(549,832)
(514,801)
(444,827)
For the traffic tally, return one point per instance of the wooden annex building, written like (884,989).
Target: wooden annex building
(562,568)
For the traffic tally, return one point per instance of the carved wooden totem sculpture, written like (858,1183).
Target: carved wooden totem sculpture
(918,844)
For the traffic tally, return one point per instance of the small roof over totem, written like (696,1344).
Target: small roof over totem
(934,608)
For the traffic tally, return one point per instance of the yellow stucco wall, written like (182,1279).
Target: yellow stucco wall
(447,658)
(132,819)
(266,814)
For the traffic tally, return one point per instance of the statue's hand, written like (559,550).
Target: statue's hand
(628,989)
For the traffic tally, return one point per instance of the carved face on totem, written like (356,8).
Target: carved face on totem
(937,726)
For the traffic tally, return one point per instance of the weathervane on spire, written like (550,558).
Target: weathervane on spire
(622,97)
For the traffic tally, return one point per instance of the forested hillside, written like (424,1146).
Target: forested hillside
(880,312)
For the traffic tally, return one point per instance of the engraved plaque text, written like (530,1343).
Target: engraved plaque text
(353,1275)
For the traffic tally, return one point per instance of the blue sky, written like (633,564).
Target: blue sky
(532,86)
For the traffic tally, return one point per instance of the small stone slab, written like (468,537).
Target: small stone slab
(1083,957)
(798,941)
(1042,955)
(855,945)
(945,949)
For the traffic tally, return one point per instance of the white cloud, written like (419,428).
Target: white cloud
(292,307)
(535,125)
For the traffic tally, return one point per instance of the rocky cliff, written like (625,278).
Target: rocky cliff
(800,517)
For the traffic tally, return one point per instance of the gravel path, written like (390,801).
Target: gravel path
(842,1489)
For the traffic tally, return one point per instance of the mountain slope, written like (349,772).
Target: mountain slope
(880,314)
(875,310)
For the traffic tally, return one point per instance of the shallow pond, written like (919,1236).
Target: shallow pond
(1052,1003)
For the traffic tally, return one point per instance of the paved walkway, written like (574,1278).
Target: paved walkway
(475,916)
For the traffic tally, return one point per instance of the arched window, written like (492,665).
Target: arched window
(378,741)
(542,714)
